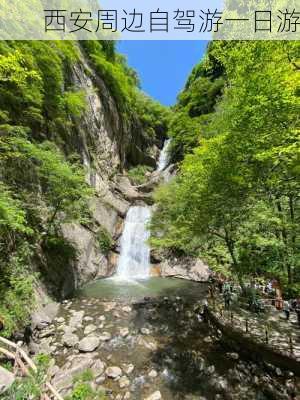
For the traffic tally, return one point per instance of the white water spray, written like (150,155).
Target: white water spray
(134,261)
(164,156)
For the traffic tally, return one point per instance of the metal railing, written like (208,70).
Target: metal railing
(249,326)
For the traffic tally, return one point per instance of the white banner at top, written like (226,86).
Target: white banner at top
(149,20)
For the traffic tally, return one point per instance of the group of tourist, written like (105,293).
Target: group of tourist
(230,291)
(292,305)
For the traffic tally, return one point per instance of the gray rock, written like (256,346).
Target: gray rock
(234,356)
(89,344)
(47,333)
(145,331)
(88,319)
(154,396)
(90,262)
(113,372)
(152,374)
(76,319)
(89,329)
(185,268)
(211,369)
(105,336)
(40,320)
(64,378)
(98,368)
(128,368)
(124,382)
(6,380)
(70,340)
(124,332)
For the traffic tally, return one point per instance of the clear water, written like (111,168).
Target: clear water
(128,291)
(134,261)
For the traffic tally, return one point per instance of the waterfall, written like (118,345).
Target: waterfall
(164,156)
(134,261)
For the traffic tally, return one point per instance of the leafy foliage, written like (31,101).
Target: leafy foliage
(83,389)
(137,174)
(236,199)
(105,240)
(30,387)
(196,103)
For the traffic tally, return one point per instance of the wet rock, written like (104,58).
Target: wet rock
(145,331)
(98,368)
(211,369)
(64,378)
(154,396)
(126,396)
(100,380)
(40,320)
(89,344)
(33,348)
(124,382)
(109,306)
(128,368)
(89,329)
(6,379)
(45,346)
(153,374)
(76,319)
(60,320)
(113,372)
(88,319)
(70,340)
(47,333)
(233,356)
(105,336)
(220,384)
(124,332)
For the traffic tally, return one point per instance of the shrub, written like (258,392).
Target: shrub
(137,175)
(30,387)
(105,240)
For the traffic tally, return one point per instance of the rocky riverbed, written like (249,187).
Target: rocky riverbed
(152,349)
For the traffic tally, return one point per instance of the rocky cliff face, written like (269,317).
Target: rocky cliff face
(105,145)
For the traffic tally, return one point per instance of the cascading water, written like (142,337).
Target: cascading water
(134,261)
(164,156)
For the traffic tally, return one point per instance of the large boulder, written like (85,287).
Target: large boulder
(64,378)
(70,340)
(90,263)
(104,214)
(185,268)
(6,380)
(43,317)
(130,193)
(89,344)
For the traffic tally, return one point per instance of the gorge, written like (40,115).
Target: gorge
(115,211)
